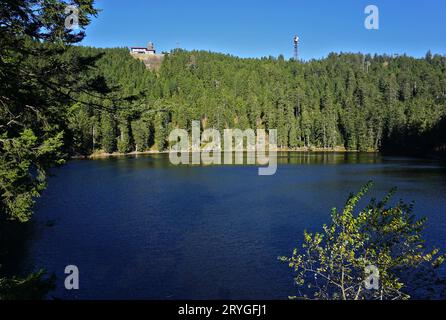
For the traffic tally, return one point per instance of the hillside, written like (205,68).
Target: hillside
(356,101)
(151,61)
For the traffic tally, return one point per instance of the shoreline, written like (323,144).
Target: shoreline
(101,155)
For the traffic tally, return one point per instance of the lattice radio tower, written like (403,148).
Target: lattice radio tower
(296,48)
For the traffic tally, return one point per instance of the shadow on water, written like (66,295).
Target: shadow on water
(407,141)
(14,244)
(161,160)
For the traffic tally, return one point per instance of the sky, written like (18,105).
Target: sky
(258,28)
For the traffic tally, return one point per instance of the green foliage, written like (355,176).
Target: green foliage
(23,165)
(82,129)
(345,100)
(141,134)
(124,143)
(127,97)
(34,287)
(39,78)
(58,99)
(108,133)
(161,131)
(35,84)
(332,263)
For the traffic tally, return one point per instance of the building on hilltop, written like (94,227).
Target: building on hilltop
(148,56)
(150,49)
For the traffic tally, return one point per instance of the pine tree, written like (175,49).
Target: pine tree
(108,133)
(141,134)
(124,140)
(161,131)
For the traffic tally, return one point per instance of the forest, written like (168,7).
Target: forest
(59,99)
(345,101)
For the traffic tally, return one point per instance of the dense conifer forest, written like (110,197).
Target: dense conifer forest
(59,99)
(352,101)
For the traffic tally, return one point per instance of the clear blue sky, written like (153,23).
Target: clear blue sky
(256,28)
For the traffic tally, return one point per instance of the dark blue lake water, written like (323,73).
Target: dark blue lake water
(138,227)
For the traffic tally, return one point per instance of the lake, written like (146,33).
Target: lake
(138,227)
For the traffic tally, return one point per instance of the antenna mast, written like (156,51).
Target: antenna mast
(296,48)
